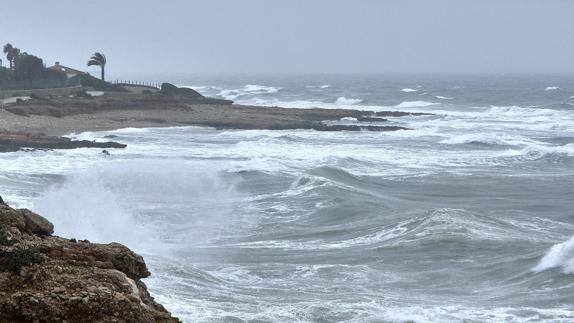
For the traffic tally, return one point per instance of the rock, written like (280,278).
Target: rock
(2,201)
(10,142)
(46,278)
(170,89)
(36,224)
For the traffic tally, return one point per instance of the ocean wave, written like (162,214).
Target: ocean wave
(408,90)
(561,255)
(443,97)
(414,104)
(445,224)
(249,89)
(324,86)
(489,139)
(552,88)
(345,101)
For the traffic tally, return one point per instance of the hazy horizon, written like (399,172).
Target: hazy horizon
(298,37)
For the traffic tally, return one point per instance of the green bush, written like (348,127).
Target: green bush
(13,261)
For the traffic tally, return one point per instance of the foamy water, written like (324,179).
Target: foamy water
(466,217)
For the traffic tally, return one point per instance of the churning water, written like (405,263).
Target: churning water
(469,216)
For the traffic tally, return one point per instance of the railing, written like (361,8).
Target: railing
(149,85)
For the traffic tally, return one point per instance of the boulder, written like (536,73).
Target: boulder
(190,94)
(36,224)
(170,89)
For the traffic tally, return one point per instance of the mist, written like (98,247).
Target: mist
(297,36)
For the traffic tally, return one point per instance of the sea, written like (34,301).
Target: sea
(466,217)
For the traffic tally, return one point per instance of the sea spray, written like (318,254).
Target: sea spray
(120,201)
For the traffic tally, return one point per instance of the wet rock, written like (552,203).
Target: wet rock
(10,142)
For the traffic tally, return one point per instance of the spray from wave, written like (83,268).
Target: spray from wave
(559,256)
(136,203)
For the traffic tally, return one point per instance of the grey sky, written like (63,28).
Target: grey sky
(336,36)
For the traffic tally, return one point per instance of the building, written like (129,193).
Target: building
(70,72)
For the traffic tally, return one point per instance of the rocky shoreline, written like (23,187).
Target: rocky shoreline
(40,123)
(10,142)
(44,278)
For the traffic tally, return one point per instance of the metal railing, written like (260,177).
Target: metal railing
(150,85)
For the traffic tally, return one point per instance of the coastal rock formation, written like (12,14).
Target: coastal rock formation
(172,90)
(44,278)
(16,141)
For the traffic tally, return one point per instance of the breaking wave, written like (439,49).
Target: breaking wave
(346,101)
(249,89)
(561,255)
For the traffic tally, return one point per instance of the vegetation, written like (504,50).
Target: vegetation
(99,85)
(99,59)
(13,261)
(11,53)
(26,67)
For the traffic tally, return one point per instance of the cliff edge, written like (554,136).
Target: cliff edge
(44,278)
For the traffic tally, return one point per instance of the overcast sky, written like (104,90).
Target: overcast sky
(311,36)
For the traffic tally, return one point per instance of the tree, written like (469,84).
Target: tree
(28,67)
(99,59)
(11,53)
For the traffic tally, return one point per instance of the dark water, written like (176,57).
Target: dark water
(467,217)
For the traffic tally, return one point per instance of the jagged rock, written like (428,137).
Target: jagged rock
(36,224)
(50,279)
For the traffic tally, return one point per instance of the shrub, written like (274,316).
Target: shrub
(99,85)
(13,261)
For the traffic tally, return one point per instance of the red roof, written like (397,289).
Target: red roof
(65,69)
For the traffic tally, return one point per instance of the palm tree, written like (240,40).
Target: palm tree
(11,53)
(99,59)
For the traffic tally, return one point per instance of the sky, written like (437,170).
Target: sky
(297,36)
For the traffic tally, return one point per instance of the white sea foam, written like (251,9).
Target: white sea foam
(324,86)
(561,255)
(443,97)
(408,90)
(249,89)
(552,88)
(489,139)
(346,101)
(414,104)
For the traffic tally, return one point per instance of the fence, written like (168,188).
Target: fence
(150,85)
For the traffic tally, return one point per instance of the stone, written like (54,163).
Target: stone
(46,278)
(36,224)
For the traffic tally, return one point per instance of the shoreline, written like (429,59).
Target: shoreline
(44,123)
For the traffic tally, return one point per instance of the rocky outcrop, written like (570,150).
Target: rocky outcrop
(13,142)
(172,90)
(44,278)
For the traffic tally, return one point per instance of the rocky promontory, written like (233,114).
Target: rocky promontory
(44,278)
